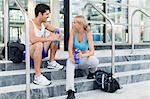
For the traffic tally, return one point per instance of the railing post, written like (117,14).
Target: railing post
(137,10)
(27,57)
(6,19)
(113,34)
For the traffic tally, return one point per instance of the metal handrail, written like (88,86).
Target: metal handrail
(137,10)
(6,3)
(112,31)
(27,49)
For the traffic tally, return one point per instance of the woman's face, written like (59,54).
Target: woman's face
(76,24)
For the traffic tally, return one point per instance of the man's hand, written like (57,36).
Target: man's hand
(54,37)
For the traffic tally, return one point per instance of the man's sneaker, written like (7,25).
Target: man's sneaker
(41,80)
(54,65)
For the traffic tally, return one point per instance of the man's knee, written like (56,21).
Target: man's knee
(39,45)
(53,46)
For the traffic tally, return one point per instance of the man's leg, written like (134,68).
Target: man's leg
(53,48)
(36,54)
(52,64)
(53,51)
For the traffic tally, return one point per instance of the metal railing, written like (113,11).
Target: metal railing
(6,18)
(137,10)
(112,31)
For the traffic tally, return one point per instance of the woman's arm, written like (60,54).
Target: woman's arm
(70,44)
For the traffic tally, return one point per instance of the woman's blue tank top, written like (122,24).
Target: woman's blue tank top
(83,46)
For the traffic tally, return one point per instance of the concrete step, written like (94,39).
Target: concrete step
(130,68)
(8,78)
(103,58)
(57,88)
(21,66)
(130,91)
(122,46)
(131,65)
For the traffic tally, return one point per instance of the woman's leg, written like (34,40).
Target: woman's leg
(92,63)
(70,76)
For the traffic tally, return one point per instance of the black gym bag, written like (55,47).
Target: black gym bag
(15,51)
(106,82)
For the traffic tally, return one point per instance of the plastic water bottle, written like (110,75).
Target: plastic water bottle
(57,31)
(76,58)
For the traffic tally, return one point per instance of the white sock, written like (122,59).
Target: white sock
(52,62)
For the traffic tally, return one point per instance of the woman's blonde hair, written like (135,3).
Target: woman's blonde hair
(83,21)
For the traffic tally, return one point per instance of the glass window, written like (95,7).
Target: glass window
(116,10)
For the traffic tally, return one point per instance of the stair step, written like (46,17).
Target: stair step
(9,78)
(122,46)
(57,88)
(135,72)
(104,61)
(130,91)
(4,61)
(20,72)
(104,57)
(124,63)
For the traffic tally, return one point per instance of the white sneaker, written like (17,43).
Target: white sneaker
(41,80)
(54,65)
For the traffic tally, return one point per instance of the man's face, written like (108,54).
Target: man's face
(45,16)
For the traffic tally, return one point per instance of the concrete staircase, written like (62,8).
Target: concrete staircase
(130,68)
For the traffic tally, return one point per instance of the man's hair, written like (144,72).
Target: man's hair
(41,8)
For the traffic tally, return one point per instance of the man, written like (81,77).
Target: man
(39,45)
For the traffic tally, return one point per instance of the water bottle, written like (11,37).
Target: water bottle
(76,58)
(57,31)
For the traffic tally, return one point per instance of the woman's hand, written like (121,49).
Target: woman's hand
(71,59)
(83,54)
(80,54)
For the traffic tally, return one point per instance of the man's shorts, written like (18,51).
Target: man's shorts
(44,55)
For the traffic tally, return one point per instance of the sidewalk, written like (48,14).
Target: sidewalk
(139,90)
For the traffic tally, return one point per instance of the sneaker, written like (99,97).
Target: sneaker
(41,80)
(90,75)
(54,65)
(70,94)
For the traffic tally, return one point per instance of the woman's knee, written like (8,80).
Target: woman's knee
(93,61)
(69,62)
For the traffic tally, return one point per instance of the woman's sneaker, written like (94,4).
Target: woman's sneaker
(54,65)
(70,94)
(41,80)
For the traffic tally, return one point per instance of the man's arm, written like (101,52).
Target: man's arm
(49,27)
(34,38)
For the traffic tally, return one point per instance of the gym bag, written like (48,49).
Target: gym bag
(106,82)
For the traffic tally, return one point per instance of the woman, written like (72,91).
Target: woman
(81,38)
